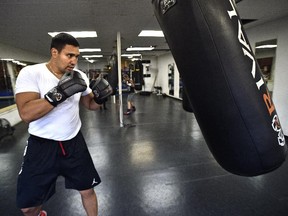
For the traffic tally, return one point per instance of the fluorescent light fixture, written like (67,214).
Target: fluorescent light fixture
(92,56)
(7,59)
(14,61)
(130,55)
(19,63)
(267,46)
(77,34)
(90,50)
(151,33)
(90,60)
(140,48)
(135,59)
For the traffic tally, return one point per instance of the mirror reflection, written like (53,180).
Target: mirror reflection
(171,78)
(180,87)
(265,53)
(9,70)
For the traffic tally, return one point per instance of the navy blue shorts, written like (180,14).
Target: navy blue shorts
(45,160)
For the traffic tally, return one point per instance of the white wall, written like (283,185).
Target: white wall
(86,66)
(11,114)
(7,51)
(276,30)
(150,82)
(162,79)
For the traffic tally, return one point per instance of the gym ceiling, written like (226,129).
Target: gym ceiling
(25,23)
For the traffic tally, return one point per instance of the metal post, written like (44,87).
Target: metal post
(119,78)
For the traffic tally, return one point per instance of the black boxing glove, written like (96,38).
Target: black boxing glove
(69,84)
(101,90)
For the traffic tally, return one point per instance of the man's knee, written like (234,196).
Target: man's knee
(88,193)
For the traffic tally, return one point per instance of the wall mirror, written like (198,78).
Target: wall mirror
(265,53)
(171,79)
(180,87)
(9,70)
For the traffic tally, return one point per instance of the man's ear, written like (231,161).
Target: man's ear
(54,52)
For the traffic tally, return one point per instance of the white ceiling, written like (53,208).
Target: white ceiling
(25,23)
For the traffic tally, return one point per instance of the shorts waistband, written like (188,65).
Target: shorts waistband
(59,143)
(45,139)
(41,138)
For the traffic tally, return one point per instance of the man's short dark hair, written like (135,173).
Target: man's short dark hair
(60,40)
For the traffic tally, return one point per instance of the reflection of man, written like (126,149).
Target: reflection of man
(266,73)
(47,97)
(130,98)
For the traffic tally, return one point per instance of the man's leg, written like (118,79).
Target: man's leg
(90,203)
(129,105)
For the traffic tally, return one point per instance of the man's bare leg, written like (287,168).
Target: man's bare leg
(90,203)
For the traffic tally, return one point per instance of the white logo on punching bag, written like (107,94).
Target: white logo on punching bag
(276,127)
(247,51)
(165,5)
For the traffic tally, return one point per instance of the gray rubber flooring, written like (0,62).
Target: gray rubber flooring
(158,164)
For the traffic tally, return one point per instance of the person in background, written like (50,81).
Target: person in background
(94,78)
(130,98)
(104,102)
(47,97)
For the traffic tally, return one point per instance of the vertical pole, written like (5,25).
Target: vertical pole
(119,78)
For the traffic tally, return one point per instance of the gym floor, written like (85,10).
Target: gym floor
(157,165)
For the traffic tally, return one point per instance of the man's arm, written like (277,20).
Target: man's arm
(132,83)
(31,106)
(101,90)
(89,102)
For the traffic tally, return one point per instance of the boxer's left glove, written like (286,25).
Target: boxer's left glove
(70,84)
(101,90)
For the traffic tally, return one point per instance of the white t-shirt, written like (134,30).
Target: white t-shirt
(63,122)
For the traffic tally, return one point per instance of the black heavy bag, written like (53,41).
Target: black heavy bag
(113,73)
(224,84)
(137,75)
(185,101)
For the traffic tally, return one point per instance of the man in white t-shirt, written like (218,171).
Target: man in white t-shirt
(48,97)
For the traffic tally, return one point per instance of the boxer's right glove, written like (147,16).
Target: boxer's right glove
(70,84)
(101,90)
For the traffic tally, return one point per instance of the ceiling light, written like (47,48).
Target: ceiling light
(77,34)
(140,48)
(19,63)
(151,33)
(92,56)
(90,50)
(14,61)
(269,46)
(130,55)
(7,59)
(135,59)
(90,60)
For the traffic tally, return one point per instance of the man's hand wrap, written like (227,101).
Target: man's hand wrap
(70,84)
(101,90)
